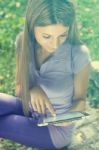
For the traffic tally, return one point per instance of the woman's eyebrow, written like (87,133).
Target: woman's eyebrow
(50,34)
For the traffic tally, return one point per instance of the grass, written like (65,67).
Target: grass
(12,22)
(89,20)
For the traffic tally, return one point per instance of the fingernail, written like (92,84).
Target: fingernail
(54,115)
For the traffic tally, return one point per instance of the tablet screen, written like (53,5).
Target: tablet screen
(62,117)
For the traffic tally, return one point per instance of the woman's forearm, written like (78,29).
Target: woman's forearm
(79,105)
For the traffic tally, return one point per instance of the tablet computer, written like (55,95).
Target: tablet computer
(69,116)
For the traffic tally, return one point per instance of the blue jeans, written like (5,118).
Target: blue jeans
(19,128)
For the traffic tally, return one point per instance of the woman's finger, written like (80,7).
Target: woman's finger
(38,107)
(43,107)
(34,106)
(50,108)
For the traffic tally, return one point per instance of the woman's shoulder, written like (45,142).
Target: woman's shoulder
(81,57)
(81,48)
(81,51)
(77,48)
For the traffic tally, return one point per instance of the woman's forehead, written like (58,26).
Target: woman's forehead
(49,29)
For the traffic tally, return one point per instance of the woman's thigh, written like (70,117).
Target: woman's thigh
(24,130)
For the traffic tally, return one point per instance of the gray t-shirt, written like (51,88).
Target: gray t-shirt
(56,74)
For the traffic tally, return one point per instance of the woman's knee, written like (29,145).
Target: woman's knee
(10,103)
(5,96)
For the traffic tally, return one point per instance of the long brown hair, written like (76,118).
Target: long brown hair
(41,13)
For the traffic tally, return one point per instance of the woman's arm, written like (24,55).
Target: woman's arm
(80,87)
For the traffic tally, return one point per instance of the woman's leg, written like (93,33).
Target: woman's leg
(10,104)
(24,130)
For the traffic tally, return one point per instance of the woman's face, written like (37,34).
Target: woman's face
(51,36)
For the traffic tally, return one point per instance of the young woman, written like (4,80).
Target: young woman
(52,73)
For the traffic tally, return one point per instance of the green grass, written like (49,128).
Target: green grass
(88,17)
(12,21)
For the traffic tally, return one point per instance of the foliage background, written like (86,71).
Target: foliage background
(12,22)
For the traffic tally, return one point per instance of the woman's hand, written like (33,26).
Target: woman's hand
(40,101)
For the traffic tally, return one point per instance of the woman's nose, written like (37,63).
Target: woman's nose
(55,43)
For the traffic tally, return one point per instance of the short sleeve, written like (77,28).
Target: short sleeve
(81,57)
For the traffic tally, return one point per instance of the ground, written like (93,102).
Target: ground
(86,135)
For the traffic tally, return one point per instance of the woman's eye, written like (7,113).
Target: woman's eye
(46,37)
(64,35)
